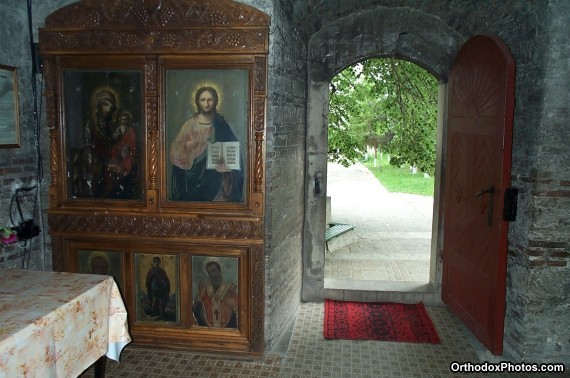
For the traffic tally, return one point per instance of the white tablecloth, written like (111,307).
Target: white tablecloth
(56,324)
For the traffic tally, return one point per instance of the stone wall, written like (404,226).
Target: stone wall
(286,122)
(285,143)
(23,167)
(537,325)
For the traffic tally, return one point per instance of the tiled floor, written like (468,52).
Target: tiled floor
(396,252)
(310,355)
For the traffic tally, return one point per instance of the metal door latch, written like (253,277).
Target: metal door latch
(318,179)
(510,204)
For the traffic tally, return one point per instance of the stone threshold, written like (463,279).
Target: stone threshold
(382,291)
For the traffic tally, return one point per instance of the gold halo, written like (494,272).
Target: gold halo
(94,254)
(98,90)
(208,260)
(212,84)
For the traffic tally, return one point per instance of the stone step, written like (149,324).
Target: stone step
(382,291)
(338,236)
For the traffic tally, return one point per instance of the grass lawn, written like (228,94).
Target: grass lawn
(400,180)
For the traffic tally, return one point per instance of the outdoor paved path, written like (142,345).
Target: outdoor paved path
(392,237)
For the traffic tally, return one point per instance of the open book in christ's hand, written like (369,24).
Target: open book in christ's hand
(222,154)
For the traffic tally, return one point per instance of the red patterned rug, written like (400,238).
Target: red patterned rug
(379,321)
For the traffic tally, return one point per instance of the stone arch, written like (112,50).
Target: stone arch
(402,33)
(396,32)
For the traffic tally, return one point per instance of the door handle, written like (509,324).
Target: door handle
(490,190)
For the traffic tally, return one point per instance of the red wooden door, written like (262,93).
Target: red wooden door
(478,162)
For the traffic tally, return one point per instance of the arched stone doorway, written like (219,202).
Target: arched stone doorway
(396,32)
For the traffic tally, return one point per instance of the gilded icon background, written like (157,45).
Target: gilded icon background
(108,263)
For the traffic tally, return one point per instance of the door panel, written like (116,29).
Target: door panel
(478,162)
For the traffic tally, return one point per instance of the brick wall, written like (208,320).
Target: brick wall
(19,166)
(286,122)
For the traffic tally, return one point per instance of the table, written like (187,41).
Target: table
(56,324)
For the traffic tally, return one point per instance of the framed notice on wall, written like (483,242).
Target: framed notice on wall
(9,113)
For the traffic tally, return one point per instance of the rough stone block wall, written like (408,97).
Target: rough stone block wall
(539,260)
(19,166)
(536,322)
(286,120)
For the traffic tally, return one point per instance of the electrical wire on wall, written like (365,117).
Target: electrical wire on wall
(26,227)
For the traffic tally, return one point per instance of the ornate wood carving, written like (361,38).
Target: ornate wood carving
(152,122)
(258,123)
(54,156)
(258,174)
(155,14)
(51,119)
(49,77)
(260,73)
(155,226)
(151,91)
(150,78)
(153,36)
(153,160)
(257,296)
(57,258)
(259,114)
(161,41)
(173,26)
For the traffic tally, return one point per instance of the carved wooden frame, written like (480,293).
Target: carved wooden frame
(153,35)
(152,29)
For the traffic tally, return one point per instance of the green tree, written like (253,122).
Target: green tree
(387,104)
(345,144)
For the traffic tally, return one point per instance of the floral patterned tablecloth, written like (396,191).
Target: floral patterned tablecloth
(55,324)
